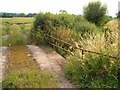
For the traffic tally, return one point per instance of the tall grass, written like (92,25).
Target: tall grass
(17,33)
(92,71)
(95,71)
(30,79)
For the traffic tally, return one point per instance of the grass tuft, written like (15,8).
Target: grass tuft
(29,79)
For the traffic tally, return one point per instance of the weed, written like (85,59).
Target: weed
(29,79)
(92,71)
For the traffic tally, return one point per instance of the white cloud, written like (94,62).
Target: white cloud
(71,6)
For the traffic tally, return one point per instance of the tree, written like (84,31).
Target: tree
(22,15)
(105,20)
(31,14)
(7,15)
(94,12)
(63,11)
(118,14)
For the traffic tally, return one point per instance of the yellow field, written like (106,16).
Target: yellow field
(17,20)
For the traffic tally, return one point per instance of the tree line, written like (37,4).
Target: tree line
(11,15)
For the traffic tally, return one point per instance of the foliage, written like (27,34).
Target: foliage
(94,12)
(105,20)
(29,79)
(92,71)
(16,30)
(96,71)
(118,14)
(64,26)
(6,29)
(88,72)
(15,36)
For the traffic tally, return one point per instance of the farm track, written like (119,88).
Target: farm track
(46,59)
(50,61)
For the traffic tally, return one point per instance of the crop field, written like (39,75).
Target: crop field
(17,20)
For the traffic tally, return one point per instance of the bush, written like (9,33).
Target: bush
(92,72)
(37,37)
(86,29)
(105,20)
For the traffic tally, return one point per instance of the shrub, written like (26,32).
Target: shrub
(92,71)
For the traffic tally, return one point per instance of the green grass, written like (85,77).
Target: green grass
(30,79)
(92,71)
(15,31)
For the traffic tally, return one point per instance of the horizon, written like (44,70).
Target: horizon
(53,6)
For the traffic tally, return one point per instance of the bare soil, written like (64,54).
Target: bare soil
(50,61)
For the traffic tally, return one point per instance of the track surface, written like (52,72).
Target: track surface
(50,61)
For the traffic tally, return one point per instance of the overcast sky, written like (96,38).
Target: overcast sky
(54,6)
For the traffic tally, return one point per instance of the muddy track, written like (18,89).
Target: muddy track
(50,61)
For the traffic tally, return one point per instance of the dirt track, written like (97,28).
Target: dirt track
(50,61)
(47,59)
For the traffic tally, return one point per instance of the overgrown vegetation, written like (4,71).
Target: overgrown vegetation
(29,79)
(15,31)
(89,71)
(97,34)
(94,71)
(70,28)
(22,71)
